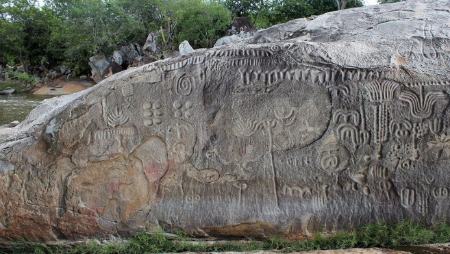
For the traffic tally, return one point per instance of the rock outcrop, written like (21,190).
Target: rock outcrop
(322,124)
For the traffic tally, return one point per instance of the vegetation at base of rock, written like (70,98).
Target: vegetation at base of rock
(373,235)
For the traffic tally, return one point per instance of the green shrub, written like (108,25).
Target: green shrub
(200,22)
(374,235)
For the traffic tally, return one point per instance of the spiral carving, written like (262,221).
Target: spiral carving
(184,85)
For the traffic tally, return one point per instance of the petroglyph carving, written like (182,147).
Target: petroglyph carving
(379,171)
(248,52)
(440,192)
(182,110)
(344,125)
(184,85)
(296,191)
(301,161)
(333,157)
(421,105)
(381,91)
(109,134)
(427,46)
(204,175)
(180,138)
(193,198)
(386,186)
(351,127)
(422,203)
(152,113)
(403,155)
(381,94)
(116,117)
(342,116)
(435,126)
(193,60)
(408,197)
(439,148)
(128,92)
(401,130)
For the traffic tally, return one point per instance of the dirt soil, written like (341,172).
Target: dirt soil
(62,87)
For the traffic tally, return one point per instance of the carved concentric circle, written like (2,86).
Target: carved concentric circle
(275,48)
(184,85)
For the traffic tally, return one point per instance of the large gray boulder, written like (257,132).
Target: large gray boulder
(100,67)
(323,124)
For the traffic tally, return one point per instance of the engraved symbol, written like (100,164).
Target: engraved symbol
(439,148)
(421,105)
(351,127)
(381,94)
(440,192)
(275,48)
(152,113)
(333,157)
(408,197)
(116,117)
(184,85)
(193,199)
(295,191)
(128,92)
(435,126)
(422,203)
(182,110)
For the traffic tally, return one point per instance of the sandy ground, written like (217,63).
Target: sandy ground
(62,87)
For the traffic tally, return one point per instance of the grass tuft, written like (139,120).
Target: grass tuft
(374,235)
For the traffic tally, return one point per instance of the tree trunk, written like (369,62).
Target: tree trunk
(343,4)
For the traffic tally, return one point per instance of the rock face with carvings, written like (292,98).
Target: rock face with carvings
(323,124)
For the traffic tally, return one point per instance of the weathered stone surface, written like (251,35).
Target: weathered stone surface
(185,48)
(337,122)
(100,65)
(233,39)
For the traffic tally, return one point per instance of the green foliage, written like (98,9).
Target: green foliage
(374,235)
(70,31)
(19,80)
(24,32)
(200,22)
(265,13)
(98,27)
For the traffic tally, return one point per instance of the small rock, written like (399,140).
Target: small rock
(151,44)
(8,91)
(185,48)
(233,39)
(13,124)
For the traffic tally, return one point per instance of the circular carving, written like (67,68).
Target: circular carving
(184,85)
(275,48)
(295,115)
(333,157)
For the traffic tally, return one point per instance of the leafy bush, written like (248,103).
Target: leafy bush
(374,235)
(200,22)
(265,13)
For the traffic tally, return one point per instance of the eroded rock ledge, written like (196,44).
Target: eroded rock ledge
(325,124)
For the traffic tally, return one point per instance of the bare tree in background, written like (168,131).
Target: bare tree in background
(341,4)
